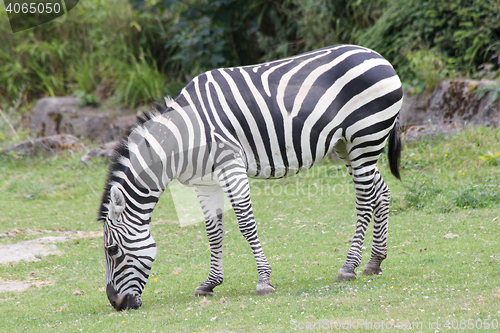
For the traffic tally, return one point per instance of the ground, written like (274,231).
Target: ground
(441,273)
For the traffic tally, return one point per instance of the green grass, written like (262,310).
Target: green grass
(305,236)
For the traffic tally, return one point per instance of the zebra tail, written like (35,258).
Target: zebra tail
(394,153)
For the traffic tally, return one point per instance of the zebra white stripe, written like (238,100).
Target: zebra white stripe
(263,121)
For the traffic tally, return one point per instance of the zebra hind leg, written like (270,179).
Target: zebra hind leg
(380,224)
(212,204)
(363,179)
(364,209)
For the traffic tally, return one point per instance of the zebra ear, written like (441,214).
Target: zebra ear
(117,203)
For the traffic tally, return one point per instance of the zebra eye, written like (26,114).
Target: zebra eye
(112,249)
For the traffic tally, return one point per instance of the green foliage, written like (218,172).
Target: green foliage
(444,198)
(491,158)
(86,98)
(291,26)
(493,88)
(205,34)
(426,41)
(429,69)
(159,45)
(419,193)
(478,196)
(463,34)
(89,51)
(141,82)
(210,34)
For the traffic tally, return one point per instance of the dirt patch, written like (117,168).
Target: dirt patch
(12,285)
(32,250)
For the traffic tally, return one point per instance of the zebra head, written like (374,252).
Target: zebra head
(129,251)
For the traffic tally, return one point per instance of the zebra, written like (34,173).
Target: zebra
(265,121)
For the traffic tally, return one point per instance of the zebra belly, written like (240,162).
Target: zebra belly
(280,170)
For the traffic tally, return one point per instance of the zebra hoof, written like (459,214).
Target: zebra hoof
(372,270)
(203,291)
(264,288)
(346,275)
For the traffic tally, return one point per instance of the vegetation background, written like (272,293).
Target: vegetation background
(135,52)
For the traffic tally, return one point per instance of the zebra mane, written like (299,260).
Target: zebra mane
(121,150)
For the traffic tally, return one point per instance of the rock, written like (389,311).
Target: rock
(48,114)
(47,145)
(414,109)
(451,106)
(57,115)
(105,150)
(418,131)
(458,102)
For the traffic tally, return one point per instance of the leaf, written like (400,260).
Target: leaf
(135,25)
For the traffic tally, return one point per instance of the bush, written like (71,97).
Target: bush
(87,52)
(295,26)
(209,34)
(134,51)
(429,69)
(465,34)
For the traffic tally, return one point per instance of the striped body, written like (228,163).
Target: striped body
(265,121)
(287,115)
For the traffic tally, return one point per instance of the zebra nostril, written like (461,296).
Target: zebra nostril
(133,302)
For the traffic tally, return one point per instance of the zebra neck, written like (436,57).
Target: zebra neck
(156,152)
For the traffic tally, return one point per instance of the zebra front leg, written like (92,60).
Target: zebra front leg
(212,203)
(235,184)
(380,224)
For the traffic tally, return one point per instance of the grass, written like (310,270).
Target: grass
(305,224)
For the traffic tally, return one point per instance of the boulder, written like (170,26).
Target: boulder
(47,145)
(105,150)
(460,102)
(414,109)
(58,115)
(417,131)
(451,106)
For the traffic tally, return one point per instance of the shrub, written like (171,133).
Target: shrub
(464,33)
(86,52)
(209,34)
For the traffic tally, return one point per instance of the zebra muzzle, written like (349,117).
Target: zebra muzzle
(125,302)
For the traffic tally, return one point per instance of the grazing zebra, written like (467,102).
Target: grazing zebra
(265,121)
